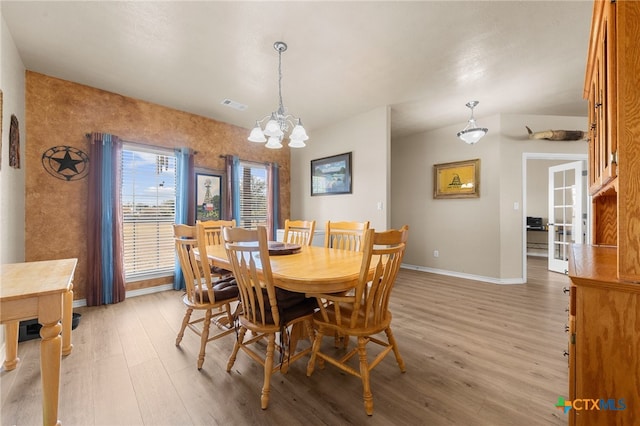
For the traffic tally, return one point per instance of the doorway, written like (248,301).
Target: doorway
(565,219)
(535,202)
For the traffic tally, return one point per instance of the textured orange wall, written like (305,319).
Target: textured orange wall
(60,112)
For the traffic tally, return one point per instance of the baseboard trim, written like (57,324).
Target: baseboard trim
(132,293)
(501,281)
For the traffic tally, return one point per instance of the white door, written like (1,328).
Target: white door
(565,213)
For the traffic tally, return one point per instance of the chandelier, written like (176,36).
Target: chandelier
(472,133)
(279,121)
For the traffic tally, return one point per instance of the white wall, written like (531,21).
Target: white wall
(476,238)
(12,74)
(12,78)
(367,137)
(463,231)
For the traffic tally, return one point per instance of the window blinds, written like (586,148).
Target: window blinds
(253,195)
(148,204)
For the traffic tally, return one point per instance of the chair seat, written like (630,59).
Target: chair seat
(345,314)
(216,270)
(224,290)
(291,305)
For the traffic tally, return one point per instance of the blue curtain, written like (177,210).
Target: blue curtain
(184,201)
(105,265)
(233,188)
(107,219)
(273,200)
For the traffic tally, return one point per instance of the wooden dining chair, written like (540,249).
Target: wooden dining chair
(345,235)
(266,310)
(210,233)
(365,313)
(299,231)
(202,292)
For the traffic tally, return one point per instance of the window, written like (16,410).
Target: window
(148,205)
(253,195)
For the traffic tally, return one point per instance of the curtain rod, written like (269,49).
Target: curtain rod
(88,135)
(266,163)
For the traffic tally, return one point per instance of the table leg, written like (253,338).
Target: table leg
(11,359)
(50,313)
(67,319)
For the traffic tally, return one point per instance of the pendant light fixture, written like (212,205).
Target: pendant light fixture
(279,121)
(472,133)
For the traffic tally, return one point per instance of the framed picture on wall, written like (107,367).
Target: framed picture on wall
(460,179)
(331,175)
(210,186)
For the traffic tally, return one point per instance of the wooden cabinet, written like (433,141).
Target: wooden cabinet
(612,88)
(600,84)
(604,347)
(604,313)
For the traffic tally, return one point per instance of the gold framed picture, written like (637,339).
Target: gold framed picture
(459,179)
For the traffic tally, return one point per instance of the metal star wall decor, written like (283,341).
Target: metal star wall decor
(66,162)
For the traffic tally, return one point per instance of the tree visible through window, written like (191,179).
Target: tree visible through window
(148,204)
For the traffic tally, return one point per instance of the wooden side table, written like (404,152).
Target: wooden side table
(40,290)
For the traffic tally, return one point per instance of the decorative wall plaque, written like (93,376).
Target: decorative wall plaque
(14,143)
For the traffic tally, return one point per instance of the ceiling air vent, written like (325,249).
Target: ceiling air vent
(234,104)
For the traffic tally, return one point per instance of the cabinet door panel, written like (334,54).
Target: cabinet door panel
(608,87)
(607,345)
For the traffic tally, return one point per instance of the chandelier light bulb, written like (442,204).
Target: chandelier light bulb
(299,132)
(257,135)
(274,143)
(273,128)
(296,143)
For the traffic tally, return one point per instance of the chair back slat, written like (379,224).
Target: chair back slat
(210,231)
(299,231)
(345,235)
(197,278)
(248,251)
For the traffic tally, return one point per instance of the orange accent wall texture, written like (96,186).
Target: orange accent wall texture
(60,112)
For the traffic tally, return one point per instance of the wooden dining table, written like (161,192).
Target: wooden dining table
(310,270)
(41,290)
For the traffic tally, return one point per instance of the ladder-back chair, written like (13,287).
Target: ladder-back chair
(202,292)
(210,233)
(345,235)
(365,313)
(299,231)
(266,310)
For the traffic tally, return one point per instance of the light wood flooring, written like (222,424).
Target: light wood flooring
(476,354)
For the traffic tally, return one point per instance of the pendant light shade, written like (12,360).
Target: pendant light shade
(257,135)
(472,133)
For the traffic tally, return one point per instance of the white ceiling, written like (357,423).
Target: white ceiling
(423,59)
